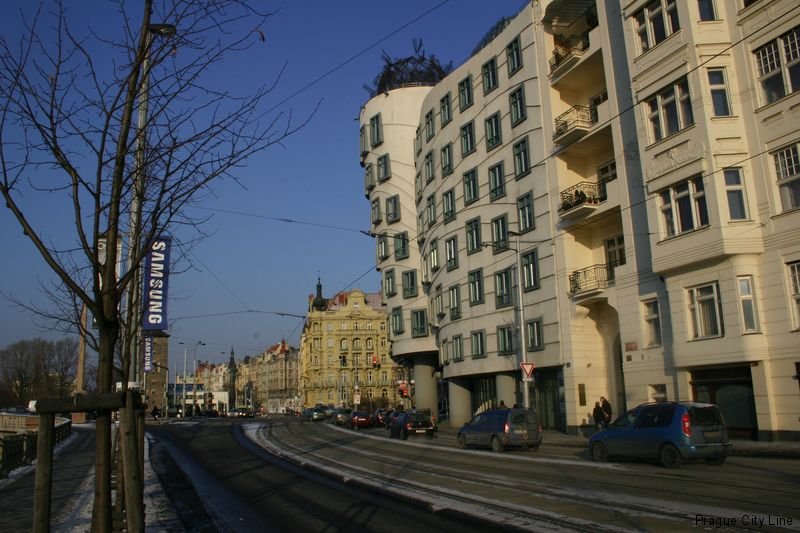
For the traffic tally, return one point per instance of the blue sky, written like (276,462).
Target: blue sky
(251,264)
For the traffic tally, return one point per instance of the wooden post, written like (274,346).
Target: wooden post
(131,471)
(44,474)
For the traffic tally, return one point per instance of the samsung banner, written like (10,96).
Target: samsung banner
(156,275)
(148,353)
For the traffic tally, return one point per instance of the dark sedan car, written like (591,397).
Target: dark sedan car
(499,429)
(341,417)
(360,419)
(412,424)
(668,432)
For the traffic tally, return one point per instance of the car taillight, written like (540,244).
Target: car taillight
(685,425)
(409,426)
(505,428)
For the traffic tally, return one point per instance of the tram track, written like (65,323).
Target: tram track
(547,494)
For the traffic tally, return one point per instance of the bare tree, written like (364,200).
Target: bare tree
(128,125)
(38,368)
(63,366)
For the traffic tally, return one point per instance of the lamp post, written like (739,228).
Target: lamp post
(163,30)
(522,329)
(185,358)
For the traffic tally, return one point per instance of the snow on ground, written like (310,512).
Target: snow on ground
(160,515)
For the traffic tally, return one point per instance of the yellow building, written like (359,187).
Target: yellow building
(344,354)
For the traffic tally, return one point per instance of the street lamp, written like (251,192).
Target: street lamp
(185,354)
(522,329)
(162,30)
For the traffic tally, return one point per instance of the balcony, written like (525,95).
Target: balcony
(568,52)
(581,200)
(574,124)
(591,281)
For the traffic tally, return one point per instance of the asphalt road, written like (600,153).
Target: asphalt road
(238,486)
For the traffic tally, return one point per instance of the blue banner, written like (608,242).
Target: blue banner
(147,348)
(156,275)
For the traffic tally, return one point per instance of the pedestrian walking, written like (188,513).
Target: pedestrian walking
(606,409)
(502,405)
(599,416)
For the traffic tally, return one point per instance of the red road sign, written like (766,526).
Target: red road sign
(528,368)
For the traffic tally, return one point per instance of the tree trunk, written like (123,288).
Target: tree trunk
(131,470)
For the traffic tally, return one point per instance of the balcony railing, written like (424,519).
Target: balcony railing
(593,278)
(569,52)
(573,124)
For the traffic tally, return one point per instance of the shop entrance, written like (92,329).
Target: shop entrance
(731,388)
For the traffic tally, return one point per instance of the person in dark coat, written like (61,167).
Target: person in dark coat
(599,416)
(606,409)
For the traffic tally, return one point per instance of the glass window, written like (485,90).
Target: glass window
(470,186)
(384,168)
(525,219)
(734,188)
(670,110)
(505,340)
(382,247)
(430,210)
(704,311)
(447,159)
(397,320)
(778,65)
(451,252)
(652,321)
(376,211)
(430,128)
(477,344)
(514,56)
(419,323)
(747,304)
(375,130)
(401,245)
(787,167)
(502,288)
(475,280)
(465,93)
(794,286)
(445,109)
(497,182)
(494,137)
(430,173)
(467,139)
(449,204)
(369,177)
(535,340)
(530,270)
(683,207)
(454,300)
(433,255)
(522,161)
(489,71)
(719,92)
(409,283)
(458,348)
(393,209)
(517,103)
(655,22)
(389,288)
(500,233)
(706,8)
(473,229)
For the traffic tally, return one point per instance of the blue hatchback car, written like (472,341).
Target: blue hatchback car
(668,432)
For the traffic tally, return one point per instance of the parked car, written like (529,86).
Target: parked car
(379,418)
(668,432)
(318,413)
(499,429)
(391,417)
(360,419)
(307,414)
(342,417)
(412,424)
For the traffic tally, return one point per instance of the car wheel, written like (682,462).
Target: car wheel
(599,452)
(670,456)
(716,461)
(462,442)
(497,446)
